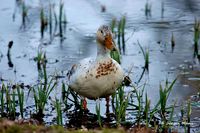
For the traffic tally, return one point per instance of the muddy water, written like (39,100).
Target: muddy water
(84,17)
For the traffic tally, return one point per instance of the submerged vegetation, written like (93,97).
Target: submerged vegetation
(43,22)
(172,41)
(196,38)
(148,9)
(24,14)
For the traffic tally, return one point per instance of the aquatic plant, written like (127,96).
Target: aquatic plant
(2,98)
(145,55)
(119,105)
(43,22)
(20,94)
(40,59)
(42,90)
(59,117)
(123,24)
(171,114)
(71,98)
(55,19)
(61,6)
(147,9)
(196,36)
(145,114)
(98,108)
(24,13)
(50,20)
(162,103)
(116,56)
(65,96)
(189,111)
(119,36)
(172,41)
(65,21)
(10,103)
(113,25)
(162,9)
(41,95)
(103,8)
(146,66)
(146,110)
(139,97)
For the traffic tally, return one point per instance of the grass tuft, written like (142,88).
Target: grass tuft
(20,94)
(59,117)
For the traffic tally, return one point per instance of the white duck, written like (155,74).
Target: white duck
(97,77)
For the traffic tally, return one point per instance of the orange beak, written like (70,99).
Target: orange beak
(109,43)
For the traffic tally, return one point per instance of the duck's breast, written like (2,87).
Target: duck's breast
(97,79)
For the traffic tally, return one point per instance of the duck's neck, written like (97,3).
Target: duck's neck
(102,51)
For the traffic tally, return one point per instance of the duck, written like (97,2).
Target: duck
(100,76)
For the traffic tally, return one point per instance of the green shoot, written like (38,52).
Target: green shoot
(116,56)
(21,100)
(60,18)
(43,89)
(120,105)
(42,93)
(10,103)
(196,36)
(3,88)
(162,9)
(119,36)
(139,96)
(189,111)
(59,112)
(172,41)
(40,58)
(164,94)
(56,20)
(43,22)
(98,108)
(147,9)
(146,109)
(123,24)
(172,113)
(50,20)
(24,13)
(146,56)
(113,25)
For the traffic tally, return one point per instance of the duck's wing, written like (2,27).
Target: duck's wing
(77,69)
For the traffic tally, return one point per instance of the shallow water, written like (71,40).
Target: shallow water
(84,17)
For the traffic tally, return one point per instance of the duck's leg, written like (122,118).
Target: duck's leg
(84,104)
(107,106)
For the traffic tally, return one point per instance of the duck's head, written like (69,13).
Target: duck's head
(105,37)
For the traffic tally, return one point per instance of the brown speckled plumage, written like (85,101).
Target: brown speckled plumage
(105,69)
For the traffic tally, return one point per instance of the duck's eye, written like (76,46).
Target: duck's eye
(101,31)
